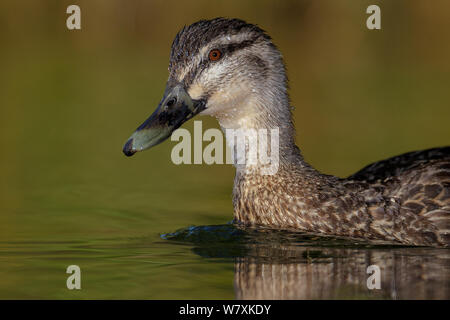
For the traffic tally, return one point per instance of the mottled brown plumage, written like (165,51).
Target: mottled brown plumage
(405,199)
(410,206)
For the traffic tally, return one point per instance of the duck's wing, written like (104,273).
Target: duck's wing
(397,165)
(417,185)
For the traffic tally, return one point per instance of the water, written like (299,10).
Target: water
(275,264)
(223,262)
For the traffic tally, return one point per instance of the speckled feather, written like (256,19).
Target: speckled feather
(412,207)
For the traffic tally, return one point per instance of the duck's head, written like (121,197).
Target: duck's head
(226,68)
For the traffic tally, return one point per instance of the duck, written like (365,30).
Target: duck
(232,70)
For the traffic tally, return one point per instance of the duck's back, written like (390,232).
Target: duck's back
(417,185)
(397,165)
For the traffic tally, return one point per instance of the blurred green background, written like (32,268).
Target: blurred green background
(70,99)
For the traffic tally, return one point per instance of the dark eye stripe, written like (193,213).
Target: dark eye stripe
(227,50)
(232,47)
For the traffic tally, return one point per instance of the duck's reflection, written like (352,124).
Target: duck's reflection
(278,265)
(341,273)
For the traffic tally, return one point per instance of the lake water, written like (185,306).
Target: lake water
(220,262)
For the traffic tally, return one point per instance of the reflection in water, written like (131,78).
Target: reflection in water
(284,265)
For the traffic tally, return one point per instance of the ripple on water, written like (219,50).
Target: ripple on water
(293,265)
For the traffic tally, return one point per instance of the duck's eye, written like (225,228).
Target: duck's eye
(215,55)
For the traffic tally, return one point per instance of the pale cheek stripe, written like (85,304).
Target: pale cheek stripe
(195,91)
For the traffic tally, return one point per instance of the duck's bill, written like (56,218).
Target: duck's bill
(174,109)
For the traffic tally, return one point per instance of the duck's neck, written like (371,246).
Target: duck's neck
(295,195)
(265,110)
(269,199)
